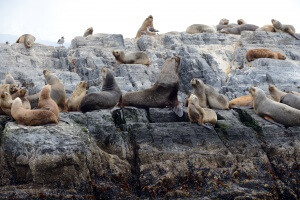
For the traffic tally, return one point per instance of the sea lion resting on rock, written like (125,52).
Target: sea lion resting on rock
(77,95)
(31,117)
(88,31)
(263,53)
(267,28)
(286,28)
(106,99)
(290,99)
(162,94)
(132,58)
(27,39)
(273,111)
(45,101)
(9,79)
(224,23)
(238,29)
(58,93)
(242,101)
(146,27)
(200,28)
(198,114)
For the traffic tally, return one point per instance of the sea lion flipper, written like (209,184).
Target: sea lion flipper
(269,119)
(178,110)
(292,34)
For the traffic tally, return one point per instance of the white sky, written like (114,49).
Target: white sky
(51,19)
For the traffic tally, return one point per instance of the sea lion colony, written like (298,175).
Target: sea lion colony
(200,103)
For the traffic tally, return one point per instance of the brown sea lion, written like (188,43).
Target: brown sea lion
(21,94)
(9,79)
(58,93)
(88,31)
(107,98)
(162,94)
(46,102)
(242,101)
(132,58)
(267,28)
(31,117)
(215,99)
(77,95)
(241,22)
(273,111)
(286,28)
(198,114)
(27,39)
(263,53)
(5,103)
(290,99)
(238,29)
(199,91)
(200,28)
(148,23)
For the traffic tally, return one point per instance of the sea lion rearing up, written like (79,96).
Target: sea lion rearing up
(199,91)
(200,28)
(88,31)
(27,39)
(77,95)
(146,26)
(162,94)
(31,117)
(58,93)
(45,101)
(286,28)
(263,53)
(290,99)
(273,111)
(132,58)
(108,98)
(238,29)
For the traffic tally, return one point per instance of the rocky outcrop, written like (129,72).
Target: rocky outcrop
(130,152)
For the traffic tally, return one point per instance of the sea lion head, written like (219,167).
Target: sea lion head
(46,72)
(281,56)
(13,88)
(108,79)
(257,93)
(276,24)
(116,53)
(83,84)
(193,98)
(241,21)
(21,92)
(28,44)
(196,82)
(272,88)
(45,93)
(224,21)
(5,96)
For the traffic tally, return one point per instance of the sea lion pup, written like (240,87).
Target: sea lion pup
(273,111)
(88,31)
(132,58)
(58,93)
(108,98)
(263,53)
(199,91)
(238,29)
(31,117)
(162,94)
(9,79)
(241,21)
(147,24)
(77,95)
(284,28)
(290,99)
(5,103)
(267,28)
(27,39)
(242,101)
(45,101)
(200,28)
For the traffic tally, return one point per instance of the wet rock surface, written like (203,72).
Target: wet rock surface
(128,153)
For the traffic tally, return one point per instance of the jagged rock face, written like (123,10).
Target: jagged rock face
(130,152)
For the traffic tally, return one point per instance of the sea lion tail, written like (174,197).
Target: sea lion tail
(178,110)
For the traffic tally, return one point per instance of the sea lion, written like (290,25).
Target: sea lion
(10,88)
(215,99)
(200,28)
(273,111)
(286,28)
(242,101)
(263,53)
(27,39)
(148,23)
(107,98)
(6,102)
(267,28)
(31,117)
(77,95)
(290,99)
(9,79)
(132,58)
(88,31)
(224,23)
(241,22)
(238,29)
(58,93)
(162,94)
(45,101)
(21,94)
(199,91)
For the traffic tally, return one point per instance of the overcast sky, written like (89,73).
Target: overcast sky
(51,19)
